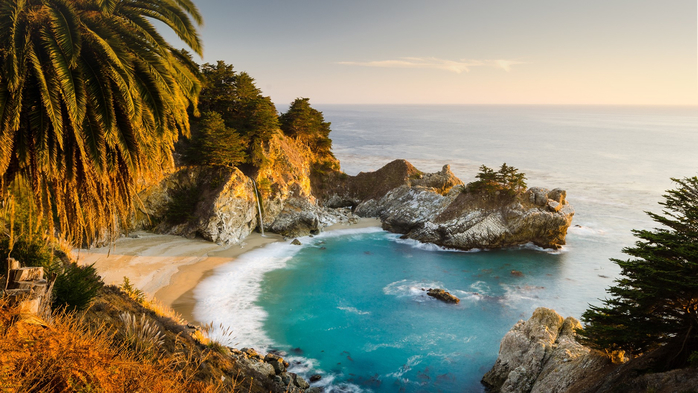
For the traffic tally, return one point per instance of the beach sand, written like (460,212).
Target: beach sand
(170,267)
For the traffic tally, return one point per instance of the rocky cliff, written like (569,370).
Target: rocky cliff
(220,204)
(542,355)
(435,208)
(300,194)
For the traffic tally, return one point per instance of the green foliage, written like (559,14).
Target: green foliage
(133,292)
(505,182)
(242,110)
(693,359)
(22,235)
(656,299)
(29,252)
(219,145)
(75,287)
(92,98)
(307,124)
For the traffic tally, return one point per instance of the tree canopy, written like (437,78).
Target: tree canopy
(91,97)
(508,181)
(307,124)
(656,299)
(242,108)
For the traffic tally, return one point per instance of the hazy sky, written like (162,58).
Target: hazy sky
(460,52)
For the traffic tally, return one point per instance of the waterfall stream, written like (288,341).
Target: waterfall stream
(259,207)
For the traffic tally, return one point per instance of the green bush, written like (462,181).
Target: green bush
(29,252)
(505,182)
(75,287)
(133,292)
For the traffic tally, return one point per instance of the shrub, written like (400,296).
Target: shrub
(133,292)
(507,181)
(75,287)
(142,337)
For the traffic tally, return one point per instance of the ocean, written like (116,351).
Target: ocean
(350,305)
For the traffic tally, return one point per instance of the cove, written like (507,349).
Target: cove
(354,309)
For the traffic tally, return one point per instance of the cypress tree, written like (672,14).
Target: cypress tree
(655,301)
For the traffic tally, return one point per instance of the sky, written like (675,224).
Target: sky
(610,52)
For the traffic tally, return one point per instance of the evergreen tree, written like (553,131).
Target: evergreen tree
(307,124)
(656,299)
(241,106)
(508,181)
(220,145)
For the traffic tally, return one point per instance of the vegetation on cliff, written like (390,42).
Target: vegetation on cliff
(655,302)
(505,182)
(119,344)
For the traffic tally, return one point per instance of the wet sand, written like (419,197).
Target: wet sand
(170,267)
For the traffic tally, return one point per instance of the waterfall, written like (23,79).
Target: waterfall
(259,207)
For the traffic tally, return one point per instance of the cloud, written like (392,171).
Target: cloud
(457,66)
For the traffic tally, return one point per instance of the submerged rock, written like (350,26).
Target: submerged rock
(442,295)
(315,378)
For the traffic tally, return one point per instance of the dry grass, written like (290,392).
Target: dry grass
(66,356)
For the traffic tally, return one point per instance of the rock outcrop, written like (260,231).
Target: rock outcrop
(220,204)
(299,198)
(442,295)
(542,355)
(435,208)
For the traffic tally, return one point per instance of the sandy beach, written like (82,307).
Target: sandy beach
(169,267)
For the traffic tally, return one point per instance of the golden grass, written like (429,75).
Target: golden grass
(66,356)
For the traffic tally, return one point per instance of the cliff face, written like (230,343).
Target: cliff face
(220,204)
(299,191)
(217,204)
(542,355)
(433,208)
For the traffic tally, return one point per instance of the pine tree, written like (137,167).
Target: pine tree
(655,301)
(307,124)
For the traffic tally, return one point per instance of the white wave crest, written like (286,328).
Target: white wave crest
(426,246)
(354,310)
(227,297)
(417,290)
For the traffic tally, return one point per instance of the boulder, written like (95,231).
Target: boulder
(277,362)
(442,295)
(542,355)
(315,378)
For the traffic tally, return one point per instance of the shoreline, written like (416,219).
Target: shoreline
(169,268)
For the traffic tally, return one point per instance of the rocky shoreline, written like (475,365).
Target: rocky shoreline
(297,199)
(542,355)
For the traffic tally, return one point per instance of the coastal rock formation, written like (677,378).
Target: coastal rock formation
(217,204)
(435,208)
(300,196)
(542,355)
(470,222)
(220,204)
(442,295)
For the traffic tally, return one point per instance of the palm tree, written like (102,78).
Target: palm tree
(92,98)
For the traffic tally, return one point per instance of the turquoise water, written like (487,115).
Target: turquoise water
(349,304)
(356,304)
